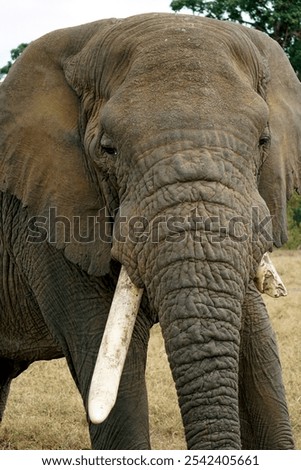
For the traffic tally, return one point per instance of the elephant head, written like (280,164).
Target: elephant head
(168,145)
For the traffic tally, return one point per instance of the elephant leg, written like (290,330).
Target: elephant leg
(127,425)
(9,369)
(75,308)
(264,415)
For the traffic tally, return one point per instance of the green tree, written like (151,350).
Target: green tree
(280,19)
(14,54)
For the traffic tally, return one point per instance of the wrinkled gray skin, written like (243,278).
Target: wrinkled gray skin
(187,130)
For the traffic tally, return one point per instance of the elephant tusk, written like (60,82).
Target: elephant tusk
(113,349)
(267,279)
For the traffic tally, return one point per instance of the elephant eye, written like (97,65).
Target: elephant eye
(109,150)
(264,140)
(264,143)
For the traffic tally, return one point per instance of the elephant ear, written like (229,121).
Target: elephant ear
(281,171)
(42,161)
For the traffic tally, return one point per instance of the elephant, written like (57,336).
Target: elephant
(162,148)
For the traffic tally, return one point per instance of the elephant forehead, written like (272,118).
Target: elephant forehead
(170,46)
(179,65)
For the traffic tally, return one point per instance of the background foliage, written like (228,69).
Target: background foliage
(294,223)
(14,54)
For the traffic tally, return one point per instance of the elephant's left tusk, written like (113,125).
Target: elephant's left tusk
(113,349)
(267,280)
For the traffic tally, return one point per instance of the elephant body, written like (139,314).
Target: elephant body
(168,145)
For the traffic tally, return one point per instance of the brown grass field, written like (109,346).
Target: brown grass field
(45,410)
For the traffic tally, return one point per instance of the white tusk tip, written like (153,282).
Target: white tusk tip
(98,413)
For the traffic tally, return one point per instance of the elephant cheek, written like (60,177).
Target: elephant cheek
(129,238)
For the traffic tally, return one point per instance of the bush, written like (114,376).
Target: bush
(294,223)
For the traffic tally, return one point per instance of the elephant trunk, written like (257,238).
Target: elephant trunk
(199,309)
(196,274)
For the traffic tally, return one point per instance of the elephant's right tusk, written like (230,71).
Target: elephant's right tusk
(267,279)
(113,349)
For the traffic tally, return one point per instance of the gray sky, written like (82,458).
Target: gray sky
(26,20)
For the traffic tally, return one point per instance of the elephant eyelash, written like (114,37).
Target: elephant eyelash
(264,140)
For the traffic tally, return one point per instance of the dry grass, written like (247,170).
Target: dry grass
(45,410)
(285,314)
